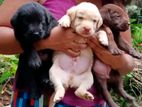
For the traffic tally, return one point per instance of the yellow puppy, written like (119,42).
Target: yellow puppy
(66,71)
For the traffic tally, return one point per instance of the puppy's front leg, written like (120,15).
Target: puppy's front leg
(102,37)
(31,55)
(128,48)
(65,21)
(34,59)
(112,46)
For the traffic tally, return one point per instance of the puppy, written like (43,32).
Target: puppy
(115,20)
(32,22)
(75,72)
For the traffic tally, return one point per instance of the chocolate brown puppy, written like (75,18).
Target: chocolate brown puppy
(115,18)
(115,21)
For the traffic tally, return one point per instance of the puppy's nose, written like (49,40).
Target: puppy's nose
(86,29)
(36,33)
(126,24)
(129,23)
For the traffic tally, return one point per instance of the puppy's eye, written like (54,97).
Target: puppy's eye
(94,20)
(117,16)
(79,17)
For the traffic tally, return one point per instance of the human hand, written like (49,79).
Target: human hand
(62,39)
(93,42)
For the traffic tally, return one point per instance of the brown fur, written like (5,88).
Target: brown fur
(115,21)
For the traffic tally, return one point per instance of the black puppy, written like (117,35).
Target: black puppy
(32,22)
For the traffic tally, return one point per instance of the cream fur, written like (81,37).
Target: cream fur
(67,71)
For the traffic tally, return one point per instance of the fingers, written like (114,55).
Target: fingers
(78,46)
(77,43)
(75,49)
(80,40)
(72,53)
(91,43)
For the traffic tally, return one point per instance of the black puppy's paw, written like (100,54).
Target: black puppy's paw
(35,61)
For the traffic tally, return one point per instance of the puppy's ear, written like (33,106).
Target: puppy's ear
(72,12)
(105,13)
(14,20)
(50,22)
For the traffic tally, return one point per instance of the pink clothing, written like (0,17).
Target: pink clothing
(58,7)
(71,99)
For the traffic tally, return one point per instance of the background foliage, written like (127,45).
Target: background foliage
(8,66)
(1,1)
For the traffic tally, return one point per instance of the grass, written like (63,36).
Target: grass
(136,35)
(8,66)
(1,1)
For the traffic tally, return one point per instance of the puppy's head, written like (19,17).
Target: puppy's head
(85,18)
(32,21)
(115,17)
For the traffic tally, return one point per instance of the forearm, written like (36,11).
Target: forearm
(8,42)
(60,39)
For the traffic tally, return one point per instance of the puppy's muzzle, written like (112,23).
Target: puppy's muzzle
(125,25)
(35,35)
(86,29)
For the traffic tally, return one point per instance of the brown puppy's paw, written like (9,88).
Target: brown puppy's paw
(114,50)
(135,54)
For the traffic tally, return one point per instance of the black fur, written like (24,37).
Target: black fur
(32,22)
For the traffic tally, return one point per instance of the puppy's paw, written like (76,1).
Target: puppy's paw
(114,50)
(84,95)
(102,37)
(135,54)
(34,61)
(65,21)
(88,96)
(59,95)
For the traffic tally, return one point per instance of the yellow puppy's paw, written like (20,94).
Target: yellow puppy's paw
(102,36)
(59,95)
(84,94)
(65,21)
